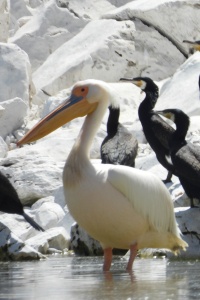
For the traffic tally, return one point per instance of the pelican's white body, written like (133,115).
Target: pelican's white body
(120,206)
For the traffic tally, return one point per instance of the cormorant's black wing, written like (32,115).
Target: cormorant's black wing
(162,130)
(9,200)
(187,163)
(121,149)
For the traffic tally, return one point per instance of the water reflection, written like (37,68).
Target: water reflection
(82,278)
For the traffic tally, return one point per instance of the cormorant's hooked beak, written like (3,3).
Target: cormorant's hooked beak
(194,44)
(126,79)
(73,107)
(139,83)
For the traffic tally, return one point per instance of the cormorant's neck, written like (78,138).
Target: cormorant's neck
(149,101)
(178,137)
(113,121)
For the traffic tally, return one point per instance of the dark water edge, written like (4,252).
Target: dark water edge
(78,278)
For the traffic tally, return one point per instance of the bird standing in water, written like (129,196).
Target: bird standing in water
(119,146)
(185,156)
(120,206)
(156,130)
(10,202)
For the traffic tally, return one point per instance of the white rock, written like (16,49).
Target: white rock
(15,73)
(35,3)
(158,36)
(33,179)
(11,247)
(188,220)
(10,121)
(44,32)
(82,244)
(4,20)
(162,15)
(182,90)
(88,9)
(3,148)
(47,213)
(19,9)
(54,238)
(22,21)
(88,55)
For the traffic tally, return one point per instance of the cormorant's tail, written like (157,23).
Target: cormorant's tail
(32,222)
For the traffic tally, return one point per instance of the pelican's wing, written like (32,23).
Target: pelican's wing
(147,194)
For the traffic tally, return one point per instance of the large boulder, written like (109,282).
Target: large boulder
(4,20)
(159,50)
(13,248)
(16,88)
(45,31)
(88,55)
(15,73)
(9,122)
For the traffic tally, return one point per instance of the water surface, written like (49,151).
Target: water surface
(65,277)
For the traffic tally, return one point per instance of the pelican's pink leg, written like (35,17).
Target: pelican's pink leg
(107,259)
(133,253)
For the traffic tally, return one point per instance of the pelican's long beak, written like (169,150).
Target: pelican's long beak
(73,107)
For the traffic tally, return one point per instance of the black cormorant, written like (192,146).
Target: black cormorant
(119,146)
(193,46)
(10,203)
(156,130)
(185,156)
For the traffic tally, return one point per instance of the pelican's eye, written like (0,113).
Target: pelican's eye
(83,91)
(80,91)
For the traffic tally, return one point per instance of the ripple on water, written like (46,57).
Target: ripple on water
(67,277)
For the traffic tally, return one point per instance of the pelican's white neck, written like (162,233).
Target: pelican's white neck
(78,161)
(89,129)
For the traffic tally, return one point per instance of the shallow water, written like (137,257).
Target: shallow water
(65,277)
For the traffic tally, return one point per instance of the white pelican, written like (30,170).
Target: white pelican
(120,206)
